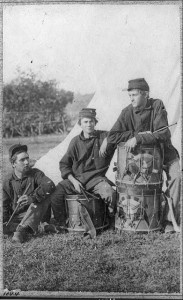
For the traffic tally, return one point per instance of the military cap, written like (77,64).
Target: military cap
(87,113)
(139,83)
(17,148)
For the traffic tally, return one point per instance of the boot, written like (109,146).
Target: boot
(169,228)
(47,228)
(20,234)
(60,226)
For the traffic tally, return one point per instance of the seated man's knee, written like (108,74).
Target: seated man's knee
(105,189)
(58,194)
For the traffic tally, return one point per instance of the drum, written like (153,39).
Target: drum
(142,168)
(96,208)
(138,213)
(139,183)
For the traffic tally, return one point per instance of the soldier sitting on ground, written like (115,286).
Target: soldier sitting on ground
(28,188)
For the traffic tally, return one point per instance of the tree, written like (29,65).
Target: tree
(32,106)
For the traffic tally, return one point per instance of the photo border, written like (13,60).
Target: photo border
(65,294)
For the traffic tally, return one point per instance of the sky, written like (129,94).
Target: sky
(86,47)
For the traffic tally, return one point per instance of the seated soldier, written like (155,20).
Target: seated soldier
(137,125)
(81,167)
(28,188)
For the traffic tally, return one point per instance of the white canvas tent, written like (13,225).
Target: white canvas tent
(149,49)
(108,107)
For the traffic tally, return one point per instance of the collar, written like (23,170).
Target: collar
(148,106)
(94,135)
(14,176)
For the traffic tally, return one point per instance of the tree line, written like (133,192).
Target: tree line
(34,107)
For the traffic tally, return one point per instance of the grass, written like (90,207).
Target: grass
(124,263)
(138,263)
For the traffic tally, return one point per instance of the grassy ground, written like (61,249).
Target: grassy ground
(136,263)
(133,263)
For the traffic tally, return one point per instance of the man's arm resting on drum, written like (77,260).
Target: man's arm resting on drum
(118,133)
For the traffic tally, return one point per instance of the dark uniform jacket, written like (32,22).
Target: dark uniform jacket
(82,159)
(13,187)
(132,121)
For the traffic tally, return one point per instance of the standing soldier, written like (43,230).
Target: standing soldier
(136,125)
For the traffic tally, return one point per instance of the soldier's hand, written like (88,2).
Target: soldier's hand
(77,184)
(103,147)
(24,200)
(4,225)
(130,144)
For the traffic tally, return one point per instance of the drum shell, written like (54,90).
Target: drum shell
(139,190)
(96,208)
(145,215)
(125,175)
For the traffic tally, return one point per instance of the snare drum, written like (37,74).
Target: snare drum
(96,208)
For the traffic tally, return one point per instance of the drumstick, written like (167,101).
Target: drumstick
(82,190)
(157,129)
(164,128)
(93,196)
(18,205)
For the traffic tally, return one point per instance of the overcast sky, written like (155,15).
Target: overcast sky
(87,46)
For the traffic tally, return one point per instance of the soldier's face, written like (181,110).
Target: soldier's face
(88,125)
(21,164)
(137,99)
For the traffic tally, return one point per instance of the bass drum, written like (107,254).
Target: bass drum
(142,167)
(138,213)
(96,208)
(139,183)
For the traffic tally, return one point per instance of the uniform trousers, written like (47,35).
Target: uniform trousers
(36,213)
(65,187)
(173,190)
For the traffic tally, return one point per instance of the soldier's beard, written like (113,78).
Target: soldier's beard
(26,169)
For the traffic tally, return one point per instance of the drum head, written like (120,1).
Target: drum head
(143,165)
